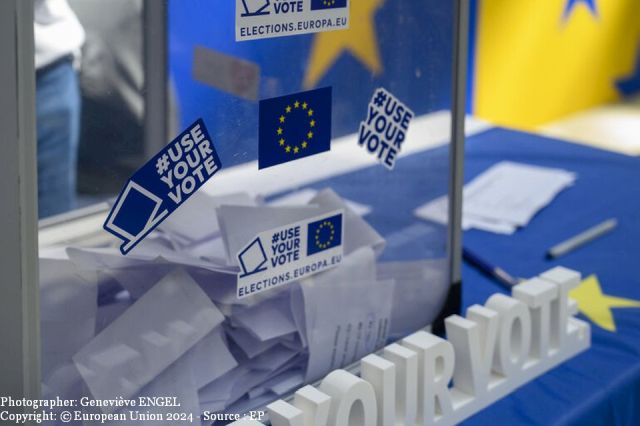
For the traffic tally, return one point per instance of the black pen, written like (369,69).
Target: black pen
(495,272)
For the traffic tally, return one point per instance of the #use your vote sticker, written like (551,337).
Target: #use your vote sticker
(289,253)
(162,185)
(385,128)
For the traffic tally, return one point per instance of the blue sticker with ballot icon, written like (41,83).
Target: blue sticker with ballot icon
(162,185)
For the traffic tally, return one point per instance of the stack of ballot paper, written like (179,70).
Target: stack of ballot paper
(503,198)
(165,319)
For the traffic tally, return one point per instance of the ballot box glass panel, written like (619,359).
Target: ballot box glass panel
(297,241)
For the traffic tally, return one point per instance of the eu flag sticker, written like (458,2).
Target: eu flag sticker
(294,126)
(324,234)
(327,4)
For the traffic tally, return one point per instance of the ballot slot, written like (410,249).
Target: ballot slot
(302,253)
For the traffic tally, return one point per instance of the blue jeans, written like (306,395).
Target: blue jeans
(57,122)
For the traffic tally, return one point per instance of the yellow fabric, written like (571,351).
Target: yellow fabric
(533,65)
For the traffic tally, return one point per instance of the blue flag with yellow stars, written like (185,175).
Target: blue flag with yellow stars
(327,4)
(294,126)
(324,234)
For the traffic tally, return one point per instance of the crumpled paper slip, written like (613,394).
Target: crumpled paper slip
(151,335)
(196,220)
(347,313)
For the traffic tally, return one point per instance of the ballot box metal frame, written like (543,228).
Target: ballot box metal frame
(19,226)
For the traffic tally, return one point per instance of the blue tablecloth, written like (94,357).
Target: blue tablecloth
(601,386)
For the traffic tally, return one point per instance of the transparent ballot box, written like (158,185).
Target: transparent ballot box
(272,234)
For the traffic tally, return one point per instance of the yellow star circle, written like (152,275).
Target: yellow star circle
(327,243)
(281,130)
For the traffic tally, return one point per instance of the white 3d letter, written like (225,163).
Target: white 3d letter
(406,399)
(353,400)
(514,336)
(435,369)
(566,280)
(284,414)
(538,294)
(381,374)
(314,405)
(474,341)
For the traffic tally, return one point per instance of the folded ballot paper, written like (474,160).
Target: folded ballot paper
(166,319)
(503,198)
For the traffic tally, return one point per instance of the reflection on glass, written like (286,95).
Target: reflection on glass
(166,319)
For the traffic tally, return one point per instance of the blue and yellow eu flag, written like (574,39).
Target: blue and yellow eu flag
(327,4)
(294,126)
(324,234)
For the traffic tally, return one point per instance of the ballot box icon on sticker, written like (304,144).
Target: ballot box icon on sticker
(253,258)
(135,214)
(255,7)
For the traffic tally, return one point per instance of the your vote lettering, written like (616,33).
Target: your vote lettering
(285,246)
(282,7)
(384,131)
(187,164)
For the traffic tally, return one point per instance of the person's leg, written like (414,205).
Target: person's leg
(58,121)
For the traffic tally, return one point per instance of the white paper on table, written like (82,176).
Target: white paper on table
(304,196)
(419,293)
(240,224)
(197,220)
(437,211)
(514,192)
(156,331)
(502,198)
(68,309)
(357,232)
(347,313)
(210,358)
